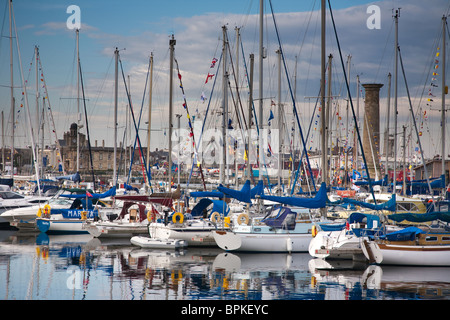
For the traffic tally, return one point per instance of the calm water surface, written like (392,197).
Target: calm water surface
(79,267)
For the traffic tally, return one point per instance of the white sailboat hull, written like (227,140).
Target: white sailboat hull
(413,255)
(335,245)
(116,229)
(60,225)
(195,236)
(270,242)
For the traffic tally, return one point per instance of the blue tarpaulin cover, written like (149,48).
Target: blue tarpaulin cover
(319,201)
(388,205)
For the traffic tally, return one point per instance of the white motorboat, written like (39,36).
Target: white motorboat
(155,243)
(343,241)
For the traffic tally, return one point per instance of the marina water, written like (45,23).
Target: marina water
(80,267)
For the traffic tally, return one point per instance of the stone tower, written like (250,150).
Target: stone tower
(371,124)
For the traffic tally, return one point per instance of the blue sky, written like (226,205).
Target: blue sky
(142,27)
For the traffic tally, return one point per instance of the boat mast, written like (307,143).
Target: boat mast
(149,126)
(12,88)
(322,102)
(172,43)
(261,57)
(116,81)
(223,162)
(78,100)
(322,95)
(396,16)
(36,50)
(444,89)
(280,124)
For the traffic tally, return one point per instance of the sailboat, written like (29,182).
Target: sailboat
(418,245)
(286,228)
(424,246)
(72,219)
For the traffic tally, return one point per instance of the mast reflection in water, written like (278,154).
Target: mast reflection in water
(80,267)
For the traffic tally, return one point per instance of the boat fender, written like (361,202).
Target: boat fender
(243,218)
(289,244)
(226,222)
(178,217)
(39,213)
(151,216)
(215,217)
(46,211)
(314,231)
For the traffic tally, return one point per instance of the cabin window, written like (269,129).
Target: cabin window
(445,238)
(431,239)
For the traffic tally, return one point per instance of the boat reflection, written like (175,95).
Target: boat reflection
(77,267)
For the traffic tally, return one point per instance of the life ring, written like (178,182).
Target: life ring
(83,215)
(178,217)
(151,216)
(314,231)
(215,217)
(46,211)
(243,218)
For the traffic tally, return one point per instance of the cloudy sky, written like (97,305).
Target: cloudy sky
(139,28)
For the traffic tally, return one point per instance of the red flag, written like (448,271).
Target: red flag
(89,194)
(209,76)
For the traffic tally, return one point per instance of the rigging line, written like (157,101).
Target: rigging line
(87,125)
(204,121)
(134,120)
(52,120)
(190,124)
(415,125)
(135,139)
(351,102)
(293,100)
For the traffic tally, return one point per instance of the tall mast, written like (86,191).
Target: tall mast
(78,101)
(261,57)
(223,163)
(396,16)
(172,43)
(280,125)
(36,51)
(444,22)
(12,88)
(236,164)
(322,95)
(149,127)
(116,92)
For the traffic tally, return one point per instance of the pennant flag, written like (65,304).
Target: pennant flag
(271,115)
(88,194)
(208,77)
(213,63)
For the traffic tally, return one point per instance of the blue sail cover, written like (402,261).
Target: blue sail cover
(402,235)
(421,217)
(388,205)
(319,201)
(73,177)
(110,193)
(204,194)
(241,195)
(218,206)
(257,190)
(382,182)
